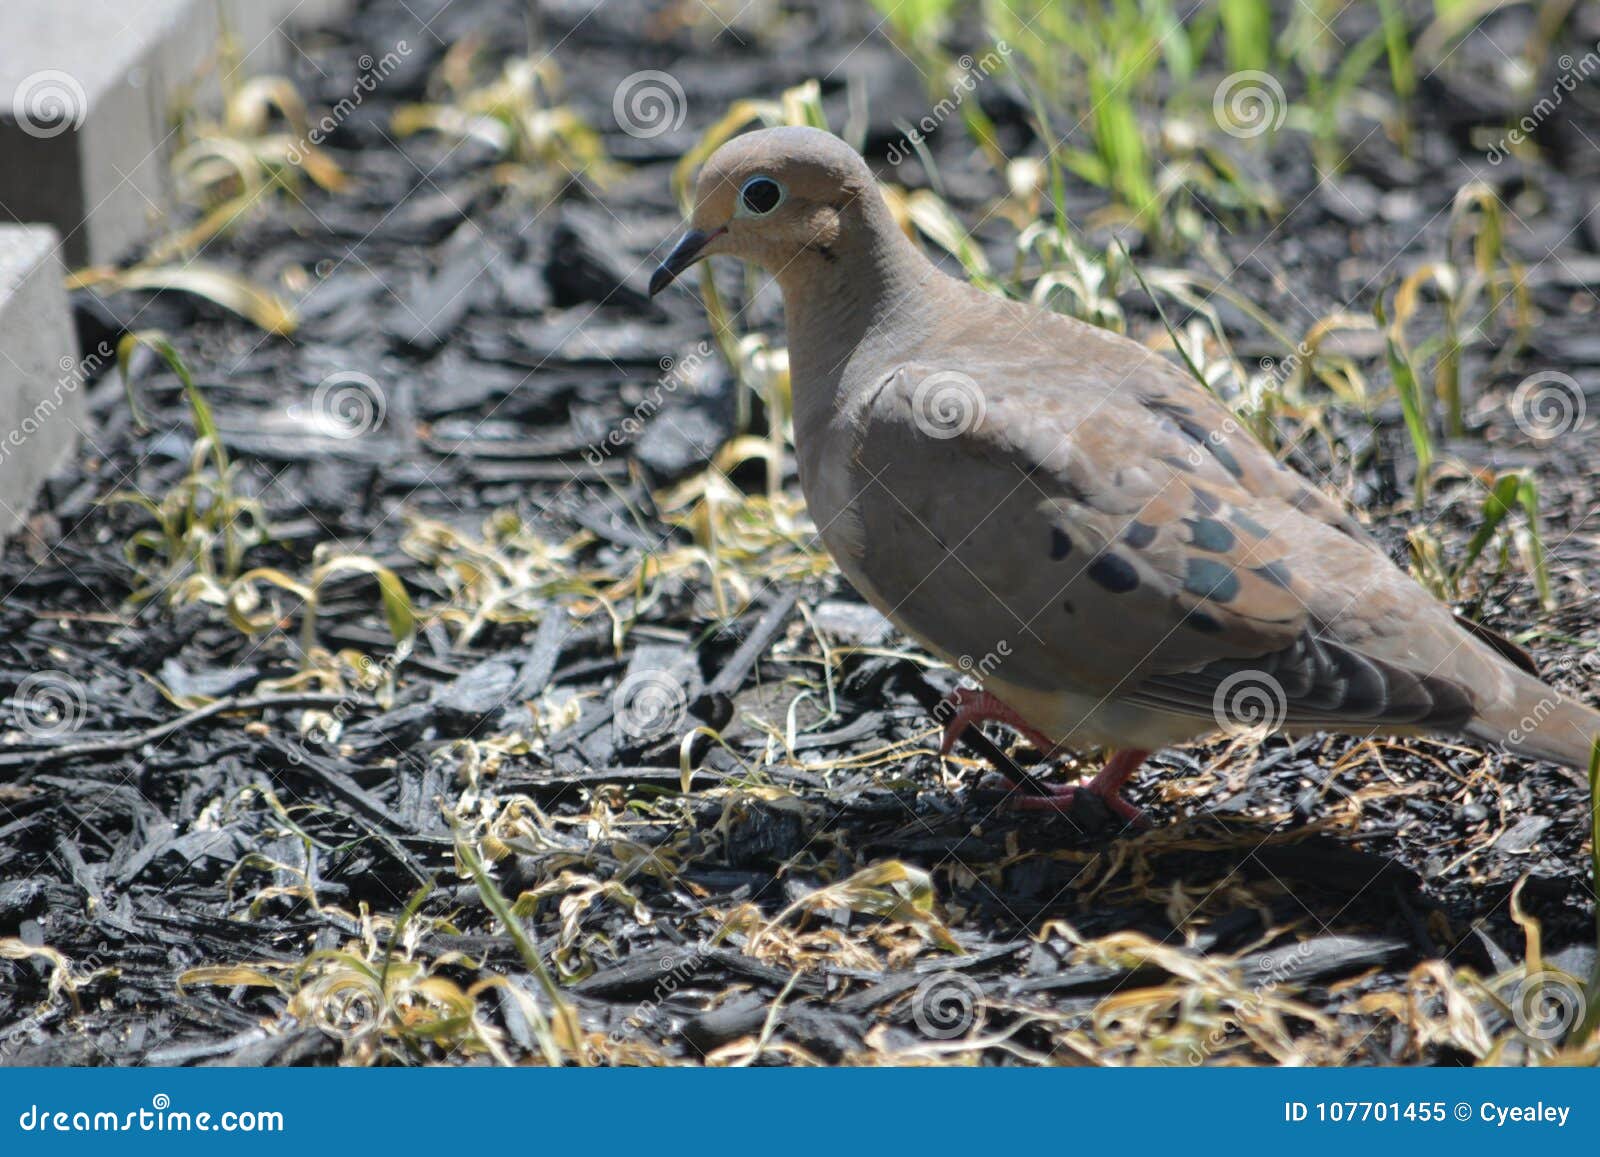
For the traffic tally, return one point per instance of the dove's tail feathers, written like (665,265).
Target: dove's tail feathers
(1541,723)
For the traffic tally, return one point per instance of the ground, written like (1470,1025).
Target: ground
(651,785)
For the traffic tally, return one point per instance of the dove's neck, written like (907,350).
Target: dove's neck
(852,313)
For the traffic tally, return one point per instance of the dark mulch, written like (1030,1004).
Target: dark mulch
(206,885)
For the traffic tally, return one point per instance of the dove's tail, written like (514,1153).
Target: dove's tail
(1540,722)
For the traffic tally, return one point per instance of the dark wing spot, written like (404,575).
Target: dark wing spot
(1247,524)
(1178,414)
(1195,430)
(1138,534)
(1275,573)
(1209,534)
(1178,463)
(1202,622)
(1060,544)
(1307,500)
(1207,578)
(1163,404)
(1205,500)
(1068,607)
(1114,573)
(1219,451)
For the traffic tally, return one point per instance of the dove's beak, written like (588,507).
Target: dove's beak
(689,249)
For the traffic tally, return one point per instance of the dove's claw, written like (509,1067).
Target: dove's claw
(966,707)
(1106,787)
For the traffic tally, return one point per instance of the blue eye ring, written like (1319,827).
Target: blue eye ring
(760,196)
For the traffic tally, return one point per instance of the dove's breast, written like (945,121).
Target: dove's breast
(834,486)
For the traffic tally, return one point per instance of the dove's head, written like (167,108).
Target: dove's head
(784,198)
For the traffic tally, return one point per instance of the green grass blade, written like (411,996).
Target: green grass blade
(1183,351)
(1497,504)
(205,425)
(1528,499)
(1397,43)
(1247,33)
(564,1032)
(1411,404)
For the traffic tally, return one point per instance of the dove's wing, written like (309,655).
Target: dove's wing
(1127,539)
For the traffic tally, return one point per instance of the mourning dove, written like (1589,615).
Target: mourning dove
(1069,517)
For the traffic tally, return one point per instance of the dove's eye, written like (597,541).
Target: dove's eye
(760,196)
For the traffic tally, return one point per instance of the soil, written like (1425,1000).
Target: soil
(177,879)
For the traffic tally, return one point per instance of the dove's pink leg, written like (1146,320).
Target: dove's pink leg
(968,706)
(1107,785)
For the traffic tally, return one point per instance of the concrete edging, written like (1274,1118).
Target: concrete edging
(88,92)
(41,378)
(88,89)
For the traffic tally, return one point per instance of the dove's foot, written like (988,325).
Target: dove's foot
(1106,787)
(966,707)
